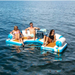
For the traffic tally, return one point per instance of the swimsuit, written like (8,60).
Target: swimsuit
(16,32)
(32,35)
(51,37)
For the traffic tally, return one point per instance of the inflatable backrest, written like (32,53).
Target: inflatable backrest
(60,42)
(43,30)
(28,32)
(24,33)
(57,36)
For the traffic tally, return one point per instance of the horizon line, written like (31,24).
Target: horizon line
(37,0)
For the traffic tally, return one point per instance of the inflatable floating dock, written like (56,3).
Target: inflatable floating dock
(58,46)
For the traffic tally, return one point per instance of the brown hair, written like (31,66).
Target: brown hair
(15,27)
(30,23)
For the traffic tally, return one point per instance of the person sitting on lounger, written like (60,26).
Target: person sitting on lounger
(32,31)
(16,32)
(49,38)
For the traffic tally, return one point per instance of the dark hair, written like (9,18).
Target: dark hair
(30,23)
(51,32)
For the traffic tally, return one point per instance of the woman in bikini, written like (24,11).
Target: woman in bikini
(16,32)
(50,38)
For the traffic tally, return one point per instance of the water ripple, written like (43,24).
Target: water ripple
(54,15)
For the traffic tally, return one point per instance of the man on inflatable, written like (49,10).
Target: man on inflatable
(32,31)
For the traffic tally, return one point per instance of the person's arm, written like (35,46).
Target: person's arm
(11,32)
(54,38)
(26,29)
(37,28)
(20,33)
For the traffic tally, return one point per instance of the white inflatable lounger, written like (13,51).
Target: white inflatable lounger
(58,46)
(11,41)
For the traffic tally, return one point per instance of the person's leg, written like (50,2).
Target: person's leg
(34,35)
(44,39)
(21,41)
(48,40)
(29,37)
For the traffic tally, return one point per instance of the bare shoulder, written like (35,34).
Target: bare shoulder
(28,28)
(35,27)
(13,31)
(54,35)
(18,30)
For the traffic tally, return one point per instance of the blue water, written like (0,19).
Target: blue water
(59,16)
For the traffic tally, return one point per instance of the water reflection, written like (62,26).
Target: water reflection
(27,47)
(30,47)
(17,49)
(57,56)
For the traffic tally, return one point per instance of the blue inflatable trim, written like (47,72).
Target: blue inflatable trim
(60,37)
(63,48)
(10,36)
(59,43)
(28,41)
(45,49)
(12,42)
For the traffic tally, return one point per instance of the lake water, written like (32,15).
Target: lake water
(59,16)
